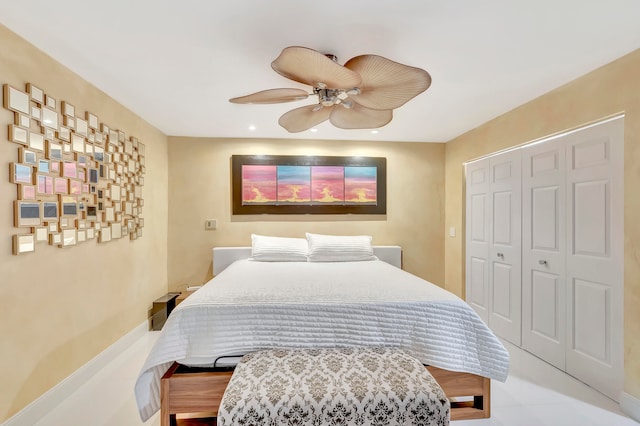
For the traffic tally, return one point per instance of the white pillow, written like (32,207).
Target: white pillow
(336,248)
(278,249)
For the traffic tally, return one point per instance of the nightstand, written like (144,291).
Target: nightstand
(161,309)
(183,296)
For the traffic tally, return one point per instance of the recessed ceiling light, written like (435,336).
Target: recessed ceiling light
(252,127)
(374,131)
(314,130)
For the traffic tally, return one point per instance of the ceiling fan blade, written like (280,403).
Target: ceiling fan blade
(303,118)
(311,67)
(387,84)
(359,117)
(271,96)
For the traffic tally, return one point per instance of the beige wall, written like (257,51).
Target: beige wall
(609,90)
(200,188)
(61,307)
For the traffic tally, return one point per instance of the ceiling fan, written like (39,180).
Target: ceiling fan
(362,94)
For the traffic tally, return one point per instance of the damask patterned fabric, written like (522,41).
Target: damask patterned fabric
(335,387)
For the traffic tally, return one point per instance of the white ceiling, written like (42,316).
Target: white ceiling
(176,63)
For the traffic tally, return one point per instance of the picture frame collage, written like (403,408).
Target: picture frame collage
(77,179)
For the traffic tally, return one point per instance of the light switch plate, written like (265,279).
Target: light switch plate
(210,224)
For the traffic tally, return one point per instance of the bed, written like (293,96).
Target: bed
(251,305)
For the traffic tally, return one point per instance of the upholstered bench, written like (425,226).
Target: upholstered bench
(350,386)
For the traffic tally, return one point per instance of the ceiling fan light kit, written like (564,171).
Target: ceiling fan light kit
(362,94)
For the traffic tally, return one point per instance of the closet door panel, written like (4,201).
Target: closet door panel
(477,237)
(543,252)
(545,295)
(505,315)
(595,252)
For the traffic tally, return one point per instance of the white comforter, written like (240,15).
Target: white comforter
(258,305)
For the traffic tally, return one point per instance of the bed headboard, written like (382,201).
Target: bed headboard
(225,256)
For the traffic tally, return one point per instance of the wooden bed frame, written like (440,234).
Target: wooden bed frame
(198,392)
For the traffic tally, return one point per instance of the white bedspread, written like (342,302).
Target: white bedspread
(261,305)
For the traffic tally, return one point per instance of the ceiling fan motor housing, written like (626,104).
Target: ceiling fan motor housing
(329,97)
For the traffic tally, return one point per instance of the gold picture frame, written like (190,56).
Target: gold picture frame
(25,243)
(27,214)
(18,134)
(16,100)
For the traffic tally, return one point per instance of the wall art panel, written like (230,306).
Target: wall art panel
(77,179)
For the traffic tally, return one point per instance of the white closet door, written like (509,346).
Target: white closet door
(478,186)
(595,254)
(505,246)
(543,251)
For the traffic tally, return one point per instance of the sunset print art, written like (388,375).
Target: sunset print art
(360,185)
(308,185)
(327,184)
(259,184)
(294,184)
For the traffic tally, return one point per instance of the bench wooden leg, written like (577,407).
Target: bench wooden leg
(465,385)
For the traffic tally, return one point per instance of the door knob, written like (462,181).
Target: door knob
(542,262)
(500,255)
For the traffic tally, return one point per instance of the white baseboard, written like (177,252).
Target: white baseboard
(630,405)
(37,409)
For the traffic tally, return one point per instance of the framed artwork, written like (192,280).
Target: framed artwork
(308,185)
(43,166)
(49,118)
(50,101)
(36,112)
(27,213)
(36,141)
(37,95)
(69,237)
(92,213)
(55,239)
(54,151)
(21,173)
(81,127)
(16,100)
(23,120)
(92,120)
(64,133)
(44,184)
(41,234)
(27,156)
(77,143)
(75,187)
(50,211)
(76,178)
(24,243)
(18,135)
(105,235)
(60,186)
(68,206)
(68,109)
(70,169)
(27,192)
(116,230)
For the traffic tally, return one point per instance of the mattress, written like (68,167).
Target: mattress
(265,305)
